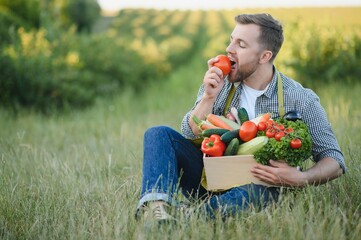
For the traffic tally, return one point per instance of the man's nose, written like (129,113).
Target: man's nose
(229,48)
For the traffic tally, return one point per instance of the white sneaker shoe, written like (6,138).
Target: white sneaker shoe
(158,211)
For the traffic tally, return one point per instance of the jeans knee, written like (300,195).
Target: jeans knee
(156,132)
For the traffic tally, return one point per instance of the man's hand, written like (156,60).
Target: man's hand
(213,80)
(280,174)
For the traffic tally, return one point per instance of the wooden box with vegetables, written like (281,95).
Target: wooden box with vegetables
(233,144)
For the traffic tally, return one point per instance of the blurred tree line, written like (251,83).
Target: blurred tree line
(36,13)
(50,59)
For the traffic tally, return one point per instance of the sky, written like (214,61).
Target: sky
(114,5)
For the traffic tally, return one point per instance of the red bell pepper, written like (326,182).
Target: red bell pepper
(213,146)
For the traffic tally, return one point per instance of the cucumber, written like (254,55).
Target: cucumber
(232,147)
(243,115)
(252,146)
(228,136)
(211,131)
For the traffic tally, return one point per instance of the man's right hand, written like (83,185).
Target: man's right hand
(213,80)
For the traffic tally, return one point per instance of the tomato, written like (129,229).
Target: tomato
(224,64)
(270,133)
(248,131)
(262,126)
(296,143)
(289,130)
(279,135)
(270,123)
(280,126)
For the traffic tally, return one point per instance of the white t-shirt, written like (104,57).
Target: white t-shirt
(248,99)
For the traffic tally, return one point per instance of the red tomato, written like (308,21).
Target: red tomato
(270,123)
(262,126)
(224,64)
(270,133)
(280,127)
(296,143)
(289,130)
(279,135)
(248,131)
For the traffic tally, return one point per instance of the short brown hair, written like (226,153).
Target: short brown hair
(271,30)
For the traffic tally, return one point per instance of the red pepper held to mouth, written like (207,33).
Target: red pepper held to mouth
(213,146)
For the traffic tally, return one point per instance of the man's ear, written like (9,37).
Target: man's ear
(265,57)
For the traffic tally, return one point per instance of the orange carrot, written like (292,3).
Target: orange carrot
(202,125)
(205,125)
(265,117)
(218,122)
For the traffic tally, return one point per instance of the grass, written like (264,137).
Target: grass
(77,176)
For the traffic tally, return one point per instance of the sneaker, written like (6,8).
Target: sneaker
(158,211)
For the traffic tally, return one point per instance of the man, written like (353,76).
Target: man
(172,162)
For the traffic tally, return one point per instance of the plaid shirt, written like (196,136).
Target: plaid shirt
(296,97)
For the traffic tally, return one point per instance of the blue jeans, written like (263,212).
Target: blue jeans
(171,163)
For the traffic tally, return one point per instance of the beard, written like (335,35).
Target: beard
(243,72)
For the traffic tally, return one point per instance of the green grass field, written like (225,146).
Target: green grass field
(77,175)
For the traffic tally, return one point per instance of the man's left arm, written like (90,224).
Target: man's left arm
(281,174)
(329,162)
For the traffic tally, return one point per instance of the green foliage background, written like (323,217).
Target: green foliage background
(48,65)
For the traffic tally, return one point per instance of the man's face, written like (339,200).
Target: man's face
(244,51)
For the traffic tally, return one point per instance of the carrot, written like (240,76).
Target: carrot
(265,117)
(202,125)
(262,118)
(218,122)
(205,125)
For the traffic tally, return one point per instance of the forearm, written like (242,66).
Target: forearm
(203,108)
(213,83)
(280,173)
(323,171)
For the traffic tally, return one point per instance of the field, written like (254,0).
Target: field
(77,175)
